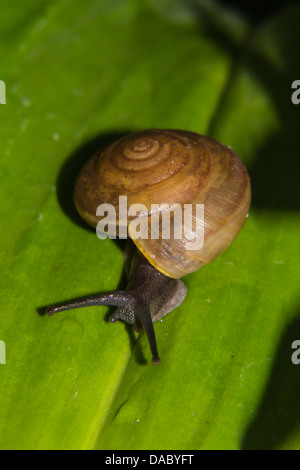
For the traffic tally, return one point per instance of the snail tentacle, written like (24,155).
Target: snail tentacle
(115,299)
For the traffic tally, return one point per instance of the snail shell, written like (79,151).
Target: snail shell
(170,167)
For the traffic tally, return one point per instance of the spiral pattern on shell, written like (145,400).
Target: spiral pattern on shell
(141,162)
(168,167)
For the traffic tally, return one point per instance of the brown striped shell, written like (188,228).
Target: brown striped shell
(170,167)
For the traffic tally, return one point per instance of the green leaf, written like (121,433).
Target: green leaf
(78,75)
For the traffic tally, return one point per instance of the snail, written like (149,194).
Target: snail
(157,169)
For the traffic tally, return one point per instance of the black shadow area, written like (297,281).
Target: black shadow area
(275,171)
(278,415)
(67,176)
(66,181)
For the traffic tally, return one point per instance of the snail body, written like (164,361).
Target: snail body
(164,169)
